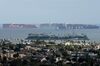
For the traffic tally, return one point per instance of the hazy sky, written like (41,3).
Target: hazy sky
(53,11)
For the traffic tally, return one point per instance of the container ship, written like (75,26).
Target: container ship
(19,26)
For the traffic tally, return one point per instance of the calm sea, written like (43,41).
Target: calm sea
(13,34)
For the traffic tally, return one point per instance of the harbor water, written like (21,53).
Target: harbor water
(14,34)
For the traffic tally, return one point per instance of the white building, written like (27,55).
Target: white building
(97,46)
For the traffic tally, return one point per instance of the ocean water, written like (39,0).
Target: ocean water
(14,34)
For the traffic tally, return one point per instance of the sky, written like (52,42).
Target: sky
(50,11)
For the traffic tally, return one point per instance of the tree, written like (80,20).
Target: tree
(16,55)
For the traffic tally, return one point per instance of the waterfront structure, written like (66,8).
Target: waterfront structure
(54,37)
